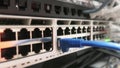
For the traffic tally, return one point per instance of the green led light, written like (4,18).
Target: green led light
(107,40)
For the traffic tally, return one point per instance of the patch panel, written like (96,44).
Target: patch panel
(37,38)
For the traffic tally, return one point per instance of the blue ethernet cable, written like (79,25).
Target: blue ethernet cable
(67,43)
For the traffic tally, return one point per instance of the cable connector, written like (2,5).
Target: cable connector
(67,43)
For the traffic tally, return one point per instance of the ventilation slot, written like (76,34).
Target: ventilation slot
(5,21)
(62,22)
(75,23)
(41,22)
(85,23)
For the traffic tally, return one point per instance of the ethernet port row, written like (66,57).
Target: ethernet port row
(68,31)
(37,47)
(9,35)
(100,28)
(8,53)
(102,36)
(85,37)
(86,29)
(98,36)
(4,4)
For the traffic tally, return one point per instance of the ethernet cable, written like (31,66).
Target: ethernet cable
(67,43)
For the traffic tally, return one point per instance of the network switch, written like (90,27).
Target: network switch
(25,37)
